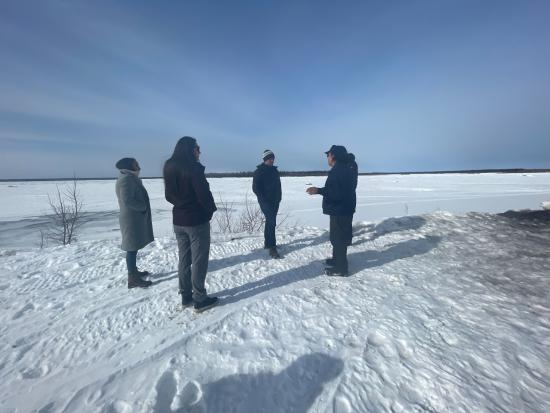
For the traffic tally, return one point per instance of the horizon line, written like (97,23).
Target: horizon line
(247,174)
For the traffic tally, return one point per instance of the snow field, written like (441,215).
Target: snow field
(443,313)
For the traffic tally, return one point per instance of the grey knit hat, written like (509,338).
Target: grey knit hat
(126,163)
(268,154)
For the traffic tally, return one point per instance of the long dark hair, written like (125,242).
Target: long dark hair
(183,157)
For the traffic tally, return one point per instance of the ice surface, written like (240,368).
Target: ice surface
(25,203)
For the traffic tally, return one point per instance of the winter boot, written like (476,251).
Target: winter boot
(134,280)
(205,304)
(336,272)
(186,301)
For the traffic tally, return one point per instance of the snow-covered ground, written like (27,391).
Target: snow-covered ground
(443,312)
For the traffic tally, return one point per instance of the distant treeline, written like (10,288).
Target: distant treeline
(324,173)
(306,173)
(250,174)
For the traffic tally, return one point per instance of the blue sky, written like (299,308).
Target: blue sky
(405,85)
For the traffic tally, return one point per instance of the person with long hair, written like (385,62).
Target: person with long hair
(186,187)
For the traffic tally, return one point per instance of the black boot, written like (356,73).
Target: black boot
(134,280)
(186,301)
(336,272)
(205,304)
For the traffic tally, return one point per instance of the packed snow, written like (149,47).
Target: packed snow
(444,311)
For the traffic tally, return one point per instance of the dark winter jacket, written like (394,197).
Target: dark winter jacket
(136,226)
(266,184)
(339,191)
(190,194)
(354,172)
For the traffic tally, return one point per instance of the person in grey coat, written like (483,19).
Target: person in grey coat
(135,218)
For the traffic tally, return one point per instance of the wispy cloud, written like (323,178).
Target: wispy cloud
(406,86)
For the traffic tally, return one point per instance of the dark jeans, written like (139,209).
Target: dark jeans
(340,238)
(194,251)
(270,213)
(131,259)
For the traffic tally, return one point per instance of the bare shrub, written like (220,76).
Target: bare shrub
(42,241)
(224,216)
(229,221)
(282,220)
(252,218)
(66,206)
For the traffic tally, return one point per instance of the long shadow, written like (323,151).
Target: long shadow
(163,277)
(293,390)
(258,254)
(221,263)
(385,227)
(358,261)
(388,226)
(312,269)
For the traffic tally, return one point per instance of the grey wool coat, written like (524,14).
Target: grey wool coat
(135,212)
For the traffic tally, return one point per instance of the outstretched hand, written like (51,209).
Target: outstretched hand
(312,190)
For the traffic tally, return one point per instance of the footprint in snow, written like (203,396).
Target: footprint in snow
(404,349)
(377,339)
(28,307)
(36,372)
(342,405)
(120,406)
(172,397)
(382,344)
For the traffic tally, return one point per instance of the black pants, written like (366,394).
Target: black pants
(270,212)
(131,259)
(340,238)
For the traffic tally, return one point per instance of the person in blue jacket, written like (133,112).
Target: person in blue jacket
(339,201)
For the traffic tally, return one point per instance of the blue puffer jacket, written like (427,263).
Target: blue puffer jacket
(339,191)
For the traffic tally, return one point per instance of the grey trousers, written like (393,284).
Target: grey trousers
(194,251)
